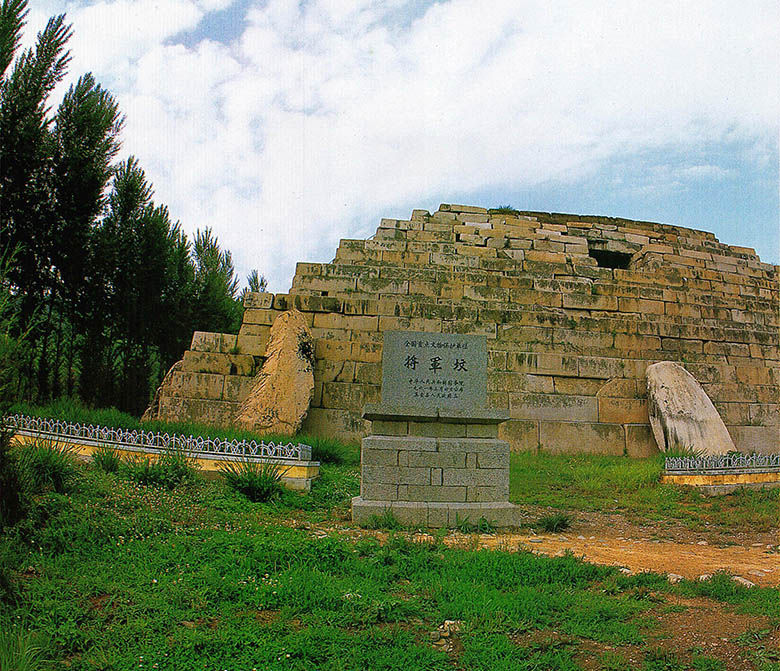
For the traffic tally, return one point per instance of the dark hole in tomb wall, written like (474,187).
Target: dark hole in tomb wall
(606,259)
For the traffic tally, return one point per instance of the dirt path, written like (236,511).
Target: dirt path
(689,560)
(613,540)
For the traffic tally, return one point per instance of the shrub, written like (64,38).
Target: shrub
(107,459)
(45,465)
(169,469)
(256,480)
(554,523)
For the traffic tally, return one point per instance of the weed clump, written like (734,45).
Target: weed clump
(387,520)
(107,459)
(553,523)
(482,526)
(19,650)
(257,481)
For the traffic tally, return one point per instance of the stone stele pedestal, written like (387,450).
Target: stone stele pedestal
(433,457)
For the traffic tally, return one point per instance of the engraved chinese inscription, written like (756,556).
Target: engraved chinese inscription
(434,369)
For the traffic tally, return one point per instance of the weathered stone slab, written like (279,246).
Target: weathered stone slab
(284,387)
(681,414)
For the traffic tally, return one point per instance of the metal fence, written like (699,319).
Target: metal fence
(722,462)
(195,446)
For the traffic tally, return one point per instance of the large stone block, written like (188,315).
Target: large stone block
(521,435)
(205,362)
(485,460)
(237,388)
(197,385)
(761,439)
(389,428)
(429,459)
(437,429)
(254,330)
(374,491)
(553,406)
(435,493)
(581,437)
(481,430)
(203,341)
(399,475)
(340,424)
(623,410)
(380,457)
(490,477)
(258,300)
(282,391)
(404,443)
(640,442)
(264,317)
(681,413)
(254,345)
(484,494)
(481,445)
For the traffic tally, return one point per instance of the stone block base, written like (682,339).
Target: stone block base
(435,515)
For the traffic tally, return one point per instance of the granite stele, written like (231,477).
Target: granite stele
(433,457)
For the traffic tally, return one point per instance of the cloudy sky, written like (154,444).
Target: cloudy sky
(287,125)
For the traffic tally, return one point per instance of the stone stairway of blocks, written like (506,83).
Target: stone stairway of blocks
(574,308)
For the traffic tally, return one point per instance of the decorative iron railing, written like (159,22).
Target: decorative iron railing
(722,462)
(195,446)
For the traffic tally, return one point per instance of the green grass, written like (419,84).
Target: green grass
(114,574)
(631,487)
(327,450)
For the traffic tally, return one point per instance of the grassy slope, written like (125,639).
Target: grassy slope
(120,576)
(569,482)
(631,487)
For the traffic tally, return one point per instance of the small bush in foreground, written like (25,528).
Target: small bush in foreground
(107,459)
(169,469)
(47,466)
(553,523)
(259,482)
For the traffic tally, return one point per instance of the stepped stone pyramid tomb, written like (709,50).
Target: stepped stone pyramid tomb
(574,308)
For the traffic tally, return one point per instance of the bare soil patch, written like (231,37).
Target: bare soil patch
(614,540)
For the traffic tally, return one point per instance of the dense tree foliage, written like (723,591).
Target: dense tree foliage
(105,286)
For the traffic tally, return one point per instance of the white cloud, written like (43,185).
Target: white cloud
(324,116)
